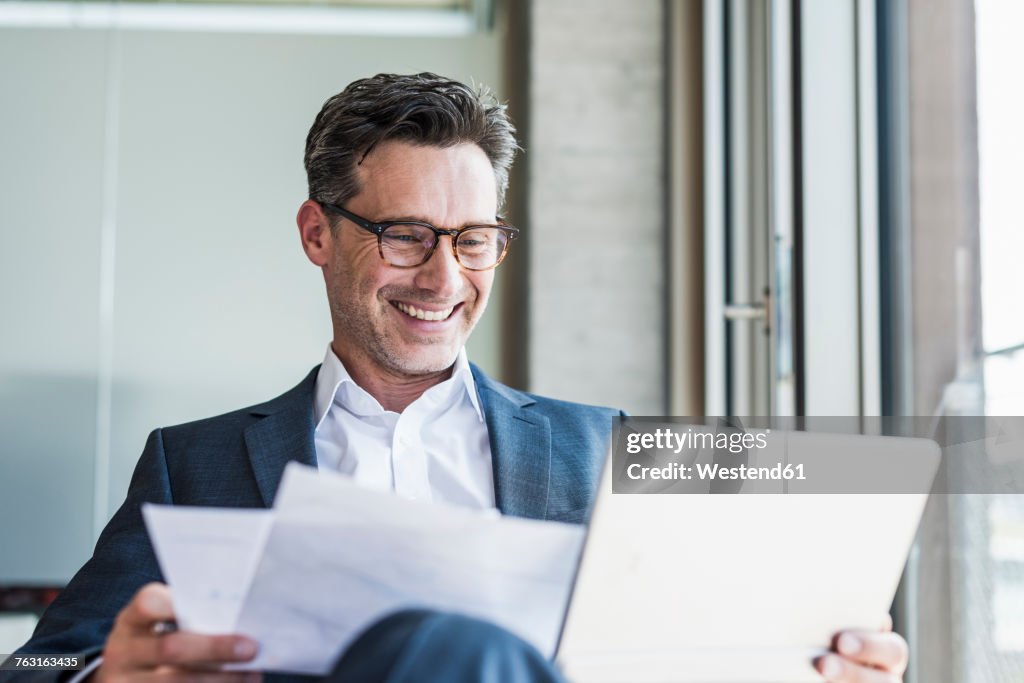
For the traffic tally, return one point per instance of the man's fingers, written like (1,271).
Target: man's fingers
(137,648)
(886,651)
(179,654)
(835,669)
(191,650)
(152,604)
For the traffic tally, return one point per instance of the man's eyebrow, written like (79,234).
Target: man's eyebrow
(495,220)
(414,219)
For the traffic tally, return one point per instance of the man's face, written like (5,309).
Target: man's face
(378,310)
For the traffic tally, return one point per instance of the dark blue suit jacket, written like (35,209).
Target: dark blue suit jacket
(547,458)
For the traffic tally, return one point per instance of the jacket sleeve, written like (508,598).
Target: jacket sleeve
(78,621)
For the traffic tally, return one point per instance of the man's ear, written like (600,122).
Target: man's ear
(315,232)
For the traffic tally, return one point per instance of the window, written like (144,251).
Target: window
(348,17)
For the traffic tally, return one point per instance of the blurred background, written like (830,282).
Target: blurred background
(746,207)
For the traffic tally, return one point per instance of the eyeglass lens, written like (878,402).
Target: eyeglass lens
(408,244)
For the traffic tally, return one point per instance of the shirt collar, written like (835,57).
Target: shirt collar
(335,384)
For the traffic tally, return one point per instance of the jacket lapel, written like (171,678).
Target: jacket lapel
(284,433)
(520,442)
(520,448)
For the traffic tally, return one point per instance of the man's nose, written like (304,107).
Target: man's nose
(442,273)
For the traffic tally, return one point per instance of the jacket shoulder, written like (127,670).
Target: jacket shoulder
(552,407)
(558,409)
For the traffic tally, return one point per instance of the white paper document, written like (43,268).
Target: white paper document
(331,558)
(208,556)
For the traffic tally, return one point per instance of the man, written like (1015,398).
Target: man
(406,175)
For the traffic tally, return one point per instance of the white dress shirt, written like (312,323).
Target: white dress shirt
(437,449)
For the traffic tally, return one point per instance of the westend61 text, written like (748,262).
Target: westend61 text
(706,471)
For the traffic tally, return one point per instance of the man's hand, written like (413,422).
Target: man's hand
(137,650)
(865,657)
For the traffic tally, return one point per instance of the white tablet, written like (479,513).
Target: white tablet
(692,587)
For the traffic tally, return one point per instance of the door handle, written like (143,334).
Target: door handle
(745,312)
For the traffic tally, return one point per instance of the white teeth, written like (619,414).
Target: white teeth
(423,315)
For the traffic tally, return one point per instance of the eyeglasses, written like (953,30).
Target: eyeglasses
(407,244)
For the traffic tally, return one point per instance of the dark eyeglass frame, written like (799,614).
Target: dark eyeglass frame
(378,229)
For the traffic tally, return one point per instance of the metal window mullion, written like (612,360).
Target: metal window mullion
(829,246)
(740,250)
(867,177)
(760,236)
(714,210)
(780,208)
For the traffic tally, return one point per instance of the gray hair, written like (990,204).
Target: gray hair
(422,109)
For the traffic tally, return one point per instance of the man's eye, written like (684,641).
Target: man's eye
(403,237)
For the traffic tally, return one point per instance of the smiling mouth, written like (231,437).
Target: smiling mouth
(421,314)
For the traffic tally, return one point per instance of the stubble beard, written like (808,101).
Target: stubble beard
(368,331)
